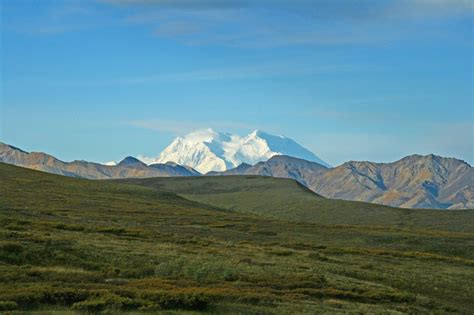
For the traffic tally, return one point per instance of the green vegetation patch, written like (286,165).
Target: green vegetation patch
(248,245)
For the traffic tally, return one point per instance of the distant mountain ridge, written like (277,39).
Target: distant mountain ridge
(128,167)
(280,166)
(207,150)
(413,182)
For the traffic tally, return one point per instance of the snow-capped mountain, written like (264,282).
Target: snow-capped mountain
(208,150)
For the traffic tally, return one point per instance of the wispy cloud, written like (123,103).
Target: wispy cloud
(351,116)
(184,4)
(250,23)
(273,69)
(258,24)
(322,8)
(55,18)
(180,127)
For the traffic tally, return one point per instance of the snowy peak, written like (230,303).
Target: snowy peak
(201,150)
(207,150)
(204,135)
(279,145)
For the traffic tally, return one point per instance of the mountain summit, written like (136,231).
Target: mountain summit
(415,181)
(208,150)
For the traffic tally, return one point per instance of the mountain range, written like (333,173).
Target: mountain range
(208,150)
(413,182)
(128,167)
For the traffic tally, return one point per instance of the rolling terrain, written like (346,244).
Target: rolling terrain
(413,182)
(289,200)
(173,244)
(128,167)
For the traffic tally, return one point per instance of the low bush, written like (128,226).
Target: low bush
(30,297)
(8,306)
(282,253)
(64,296)
(112,230)
(178,300)
(119,231)
(318,256)
(202,270)
(93,306)
(108,301)
(11,253)
(68,227)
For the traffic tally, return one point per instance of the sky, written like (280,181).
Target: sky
(350,80)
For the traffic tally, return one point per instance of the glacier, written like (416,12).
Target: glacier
(208,150)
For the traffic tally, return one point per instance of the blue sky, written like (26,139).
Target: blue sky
(350,80)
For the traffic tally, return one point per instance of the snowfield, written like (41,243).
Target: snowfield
(208,150)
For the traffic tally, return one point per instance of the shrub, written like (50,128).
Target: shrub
(29,297)
(68,227)
(93,306)
(265,233)
(178,300)
(8,305)
(141,272)
(230,275)
(64,296)
(12,248)
(113,230)
(11,253)
(282,253)
(24,298)
(258,298)
(197,269)
(108,301)
(318,256)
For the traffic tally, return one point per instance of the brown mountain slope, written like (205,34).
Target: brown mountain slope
(129,167)
(280,166)
(413,182)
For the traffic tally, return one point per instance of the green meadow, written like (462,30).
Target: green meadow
(213,245)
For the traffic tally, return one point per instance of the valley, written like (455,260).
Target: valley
(153,245)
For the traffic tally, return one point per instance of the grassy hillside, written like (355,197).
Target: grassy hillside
(80,245)
(287,199)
